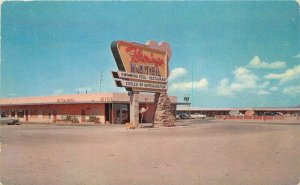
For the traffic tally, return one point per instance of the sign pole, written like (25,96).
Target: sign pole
(134,108)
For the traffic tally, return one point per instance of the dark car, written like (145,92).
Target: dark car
(184,116)
(260,114)
(270,113)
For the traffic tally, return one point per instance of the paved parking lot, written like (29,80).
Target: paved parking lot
(197,152)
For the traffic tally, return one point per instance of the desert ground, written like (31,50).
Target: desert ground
(193,152)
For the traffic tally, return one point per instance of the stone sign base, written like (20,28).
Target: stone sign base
(163,113)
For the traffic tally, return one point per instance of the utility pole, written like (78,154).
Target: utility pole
(186,98)
(192,94)
(101,78)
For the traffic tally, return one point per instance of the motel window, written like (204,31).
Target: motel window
(121,113)
(33,113)
(20,113)
(3,114)
(12,113)
(46,113)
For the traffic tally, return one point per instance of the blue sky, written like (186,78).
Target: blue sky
(224,54)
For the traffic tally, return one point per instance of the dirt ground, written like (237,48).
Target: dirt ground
(197,152)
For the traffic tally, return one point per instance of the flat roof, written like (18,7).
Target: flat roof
(113,97)
(185,108)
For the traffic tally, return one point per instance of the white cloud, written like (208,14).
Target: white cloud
(177,72)
(197,85)
(297,56)
(224,88)
(274,88)
(292,90)
(264,85)
(201,84)
(243,80)
(257,63)
(58,92)
(289,74)
(263,92)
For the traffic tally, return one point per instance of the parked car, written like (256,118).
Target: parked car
(235,113)
(259,113)
(9,121)
(198,116)
(269,114)
(184,116)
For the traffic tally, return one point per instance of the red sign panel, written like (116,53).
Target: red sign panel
(139,59)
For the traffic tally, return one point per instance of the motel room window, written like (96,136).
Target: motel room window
(12,113)
(46,113)
(20,113)
(3,114)
(121,113)
(33,113)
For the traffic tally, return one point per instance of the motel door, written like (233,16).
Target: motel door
(108,112)
(26,115)
(54,116)
(82,115)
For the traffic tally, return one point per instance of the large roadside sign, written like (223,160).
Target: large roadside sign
(141,68)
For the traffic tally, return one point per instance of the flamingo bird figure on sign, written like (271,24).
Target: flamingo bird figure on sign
(143,110)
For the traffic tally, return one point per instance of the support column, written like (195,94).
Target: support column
(134,108)
(112,114)
(157,110)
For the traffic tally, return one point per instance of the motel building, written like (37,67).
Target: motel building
(260,113)
(102,108)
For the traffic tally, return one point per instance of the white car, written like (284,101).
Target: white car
(9,121)
(198,116)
